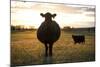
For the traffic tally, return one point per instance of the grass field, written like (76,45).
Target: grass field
(27,50)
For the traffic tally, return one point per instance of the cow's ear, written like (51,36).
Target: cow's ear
(53,15)
(42,14)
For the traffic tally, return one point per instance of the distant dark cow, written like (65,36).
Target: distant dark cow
(78,39)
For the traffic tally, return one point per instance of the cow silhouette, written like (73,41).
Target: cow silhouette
(78,39)
(48,32)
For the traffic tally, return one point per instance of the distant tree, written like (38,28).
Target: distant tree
(67,28)
(13,28)
(31,28)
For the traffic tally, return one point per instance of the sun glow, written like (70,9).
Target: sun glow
(28,14)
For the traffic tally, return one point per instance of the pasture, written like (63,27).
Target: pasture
(26,49)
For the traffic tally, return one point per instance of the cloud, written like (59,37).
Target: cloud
(50,7)
(61,8)
(44,7)
(88,11)
(90,15)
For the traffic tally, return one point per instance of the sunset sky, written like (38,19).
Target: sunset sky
(28,14)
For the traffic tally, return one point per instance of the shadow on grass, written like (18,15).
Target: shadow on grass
(48,60)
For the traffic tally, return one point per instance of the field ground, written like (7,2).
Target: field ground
(27,50)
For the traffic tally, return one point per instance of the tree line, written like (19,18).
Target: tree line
(21,28)
(66,28)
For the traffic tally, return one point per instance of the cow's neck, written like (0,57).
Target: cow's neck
(48,20)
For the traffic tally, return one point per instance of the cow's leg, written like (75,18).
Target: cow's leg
(83,42)
(74,42)
(50,49)
(46,49)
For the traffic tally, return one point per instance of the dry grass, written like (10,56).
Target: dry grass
(27,50)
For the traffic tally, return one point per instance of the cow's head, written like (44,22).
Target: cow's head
(48,16)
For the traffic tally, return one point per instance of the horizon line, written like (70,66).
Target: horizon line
(60,27)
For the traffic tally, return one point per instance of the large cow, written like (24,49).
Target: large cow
(48,32)
(78,39)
